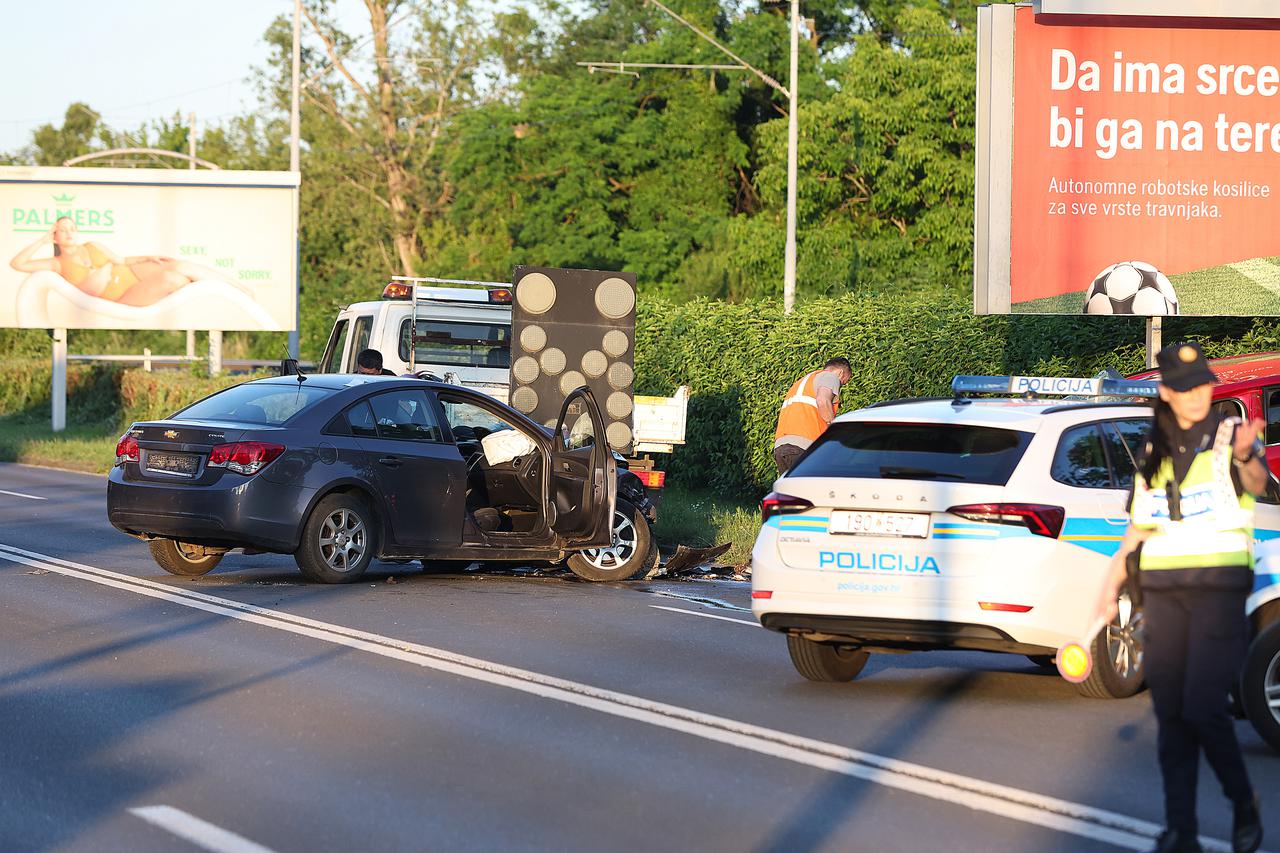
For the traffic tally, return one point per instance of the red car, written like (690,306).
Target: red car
(1249,387)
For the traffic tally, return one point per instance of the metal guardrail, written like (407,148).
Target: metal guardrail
(147,360)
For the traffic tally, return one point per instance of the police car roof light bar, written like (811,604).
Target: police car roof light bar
(1052,386)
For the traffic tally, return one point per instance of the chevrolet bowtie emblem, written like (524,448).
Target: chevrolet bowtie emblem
(171,433)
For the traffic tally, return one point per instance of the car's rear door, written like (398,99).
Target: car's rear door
(420,476)
(583,481)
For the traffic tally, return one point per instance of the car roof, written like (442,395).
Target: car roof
(1007,413)
(1236,370)
(338,381)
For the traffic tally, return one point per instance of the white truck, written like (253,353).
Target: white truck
(462,331)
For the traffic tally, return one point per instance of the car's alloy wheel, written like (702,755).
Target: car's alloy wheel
(1117,655)
(625,542)
(343,540)
(338,540)
(1260,684)
(1124,640)
(182,558)
(630,555)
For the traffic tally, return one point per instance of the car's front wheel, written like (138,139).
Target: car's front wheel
(1117,655)
(337,541)
(631,554)
(181,558)
(1260,684)
(823,662)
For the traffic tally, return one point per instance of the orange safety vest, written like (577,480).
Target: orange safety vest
(799,415)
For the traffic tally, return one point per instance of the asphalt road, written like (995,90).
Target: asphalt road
(249,711)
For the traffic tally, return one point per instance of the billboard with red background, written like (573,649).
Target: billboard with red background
(1144,148)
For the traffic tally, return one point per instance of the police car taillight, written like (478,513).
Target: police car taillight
(1039,519)
(776,503)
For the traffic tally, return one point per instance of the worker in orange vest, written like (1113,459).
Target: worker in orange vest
(810,405)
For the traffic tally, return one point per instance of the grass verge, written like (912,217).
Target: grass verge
(701,519)
(78,448)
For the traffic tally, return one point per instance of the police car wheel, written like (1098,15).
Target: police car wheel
(179,558)
(1117,656)
(823,662)
(631,554)
(1260,684)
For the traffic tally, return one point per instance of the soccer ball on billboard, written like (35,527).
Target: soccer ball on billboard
(1131,287)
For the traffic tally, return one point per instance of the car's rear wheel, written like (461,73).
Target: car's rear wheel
(1260,684)
(1117,655)
(337,541)
(631,554)
(823,662)
(181,558)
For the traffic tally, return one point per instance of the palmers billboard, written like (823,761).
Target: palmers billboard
(89,248)
(1127,169)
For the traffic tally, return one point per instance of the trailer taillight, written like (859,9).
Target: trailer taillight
(652,479)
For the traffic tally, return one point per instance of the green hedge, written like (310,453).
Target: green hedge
(740,359)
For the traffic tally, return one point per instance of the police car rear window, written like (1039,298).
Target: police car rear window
(949,453)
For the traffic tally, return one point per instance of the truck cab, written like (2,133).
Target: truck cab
(459,334)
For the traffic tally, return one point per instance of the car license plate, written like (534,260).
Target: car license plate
(182,464)
(911,524)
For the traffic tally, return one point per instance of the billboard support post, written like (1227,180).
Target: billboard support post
(294,125)
(1155,327)
(59,390)
(215,353)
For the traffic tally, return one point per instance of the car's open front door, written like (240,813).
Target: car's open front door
(583,479)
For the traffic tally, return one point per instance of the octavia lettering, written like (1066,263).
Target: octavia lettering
(873,562)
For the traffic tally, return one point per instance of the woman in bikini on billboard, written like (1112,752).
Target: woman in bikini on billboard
(96,270)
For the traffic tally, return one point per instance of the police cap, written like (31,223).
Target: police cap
(1183,367)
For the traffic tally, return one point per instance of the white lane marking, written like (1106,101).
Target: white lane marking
(706,615)
(22,495)
(199,832)
(1013,803)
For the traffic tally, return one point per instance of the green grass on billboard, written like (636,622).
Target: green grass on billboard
(1244,289)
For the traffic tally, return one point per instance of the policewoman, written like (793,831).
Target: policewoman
(1191,521)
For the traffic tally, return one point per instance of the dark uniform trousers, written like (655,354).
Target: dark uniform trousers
(1195,640)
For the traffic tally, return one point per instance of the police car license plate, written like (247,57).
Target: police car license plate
(909,524)
(182,464)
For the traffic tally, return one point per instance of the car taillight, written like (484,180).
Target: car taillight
(776,503)
(244,457)
(126,449)
(1039,519)
(652,479)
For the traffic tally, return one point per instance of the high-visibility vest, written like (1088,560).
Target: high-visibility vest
(1216,528)
(799,414)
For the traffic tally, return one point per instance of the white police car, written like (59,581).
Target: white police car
(964,523)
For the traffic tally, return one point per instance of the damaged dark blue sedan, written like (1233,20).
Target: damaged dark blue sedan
(339,469)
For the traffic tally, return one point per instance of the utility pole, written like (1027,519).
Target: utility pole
(793,127)
(294,123)
(793,132)
(191,164)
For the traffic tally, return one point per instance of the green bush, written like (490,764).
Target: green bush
(105,395)
(740,359)
(92,390)
(156,395)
